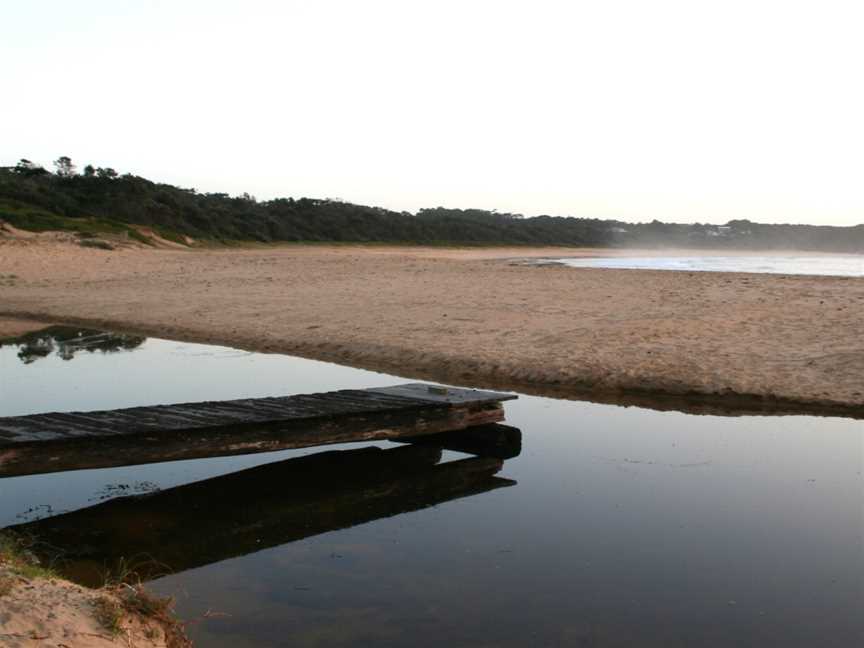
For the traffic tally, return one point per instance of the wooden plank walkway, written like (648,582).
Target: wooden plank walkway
(77,440)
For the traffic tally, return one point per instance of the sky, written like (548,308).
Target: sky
(683,111)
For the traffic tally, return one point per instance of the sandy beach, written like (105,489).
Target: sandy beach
(469,316)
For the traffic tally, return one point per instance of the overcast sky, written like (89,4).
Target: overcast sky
(678,110)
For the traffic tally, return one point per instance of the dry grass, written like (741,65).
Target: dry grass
(136,600)
(108,613)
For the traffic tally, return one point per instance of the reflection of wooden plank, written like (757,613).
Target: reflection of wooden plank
(232,515)
(71,441)
(493,440)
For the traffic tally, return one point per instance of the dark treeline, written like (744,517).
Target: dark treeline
(33,198)
(103,194)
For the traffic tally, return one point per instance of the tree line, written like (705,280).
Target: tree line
(31,195)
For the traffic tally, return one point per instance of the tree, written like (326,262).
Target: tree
(27,168)
(64,166)
(89,171)
(106,172)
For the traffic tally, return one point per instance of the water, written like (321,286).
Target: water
(851,265)
(613,527)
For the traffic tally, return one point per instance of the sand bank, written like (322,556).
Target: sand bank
(41,612)
(472,316)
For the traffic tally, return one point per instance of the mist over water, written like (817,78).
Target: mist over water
(834,265)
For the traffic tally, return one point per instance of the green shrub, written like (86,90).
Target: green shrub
(95,243)
(135,235)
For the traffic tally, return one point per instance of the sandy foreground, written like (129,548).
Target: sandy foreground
(51,612)
(469,316)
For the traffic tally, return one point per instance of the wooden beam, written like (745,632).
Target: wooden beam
(65,426)
(74,441)
(130,450)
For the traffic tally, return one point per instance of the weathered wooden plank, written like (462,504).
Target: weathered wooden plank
(196,443)
(185,416)
(212,520)
(444,395)
(68,425)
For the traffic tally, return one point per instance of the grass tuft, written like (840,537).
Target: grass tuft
(126,589)
(138,600)
(108,613)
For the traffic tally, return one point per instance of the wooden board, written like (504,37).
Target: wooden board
(443,395)
(79,440)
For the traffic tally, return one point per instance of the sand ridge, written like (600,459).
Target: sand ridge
(472,316)
(42,612)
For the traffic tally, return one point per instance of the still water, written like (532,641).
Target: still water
(614,526)
(844,265)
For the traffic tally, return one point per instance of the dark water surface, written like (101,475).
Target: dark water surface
(613,527)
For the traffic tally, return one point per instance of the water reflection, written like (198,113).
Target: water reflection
(146,536)
(65,342)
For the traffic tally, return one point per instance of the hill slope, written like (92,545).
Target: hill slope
(99,200)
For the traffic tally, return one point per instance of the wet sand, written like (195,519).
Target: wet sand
(471,316)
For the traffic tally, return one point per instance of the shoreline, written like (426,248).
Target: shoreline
(40,608)
(713,343)
(708,404)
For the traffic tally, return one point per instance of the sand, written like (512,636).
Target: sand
(469,316)
(51,612)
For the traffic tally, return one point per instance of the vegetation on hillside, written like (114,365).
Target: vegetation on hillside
(99,200)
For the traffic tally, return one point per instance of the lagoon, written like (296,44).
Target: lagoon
(615,526)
